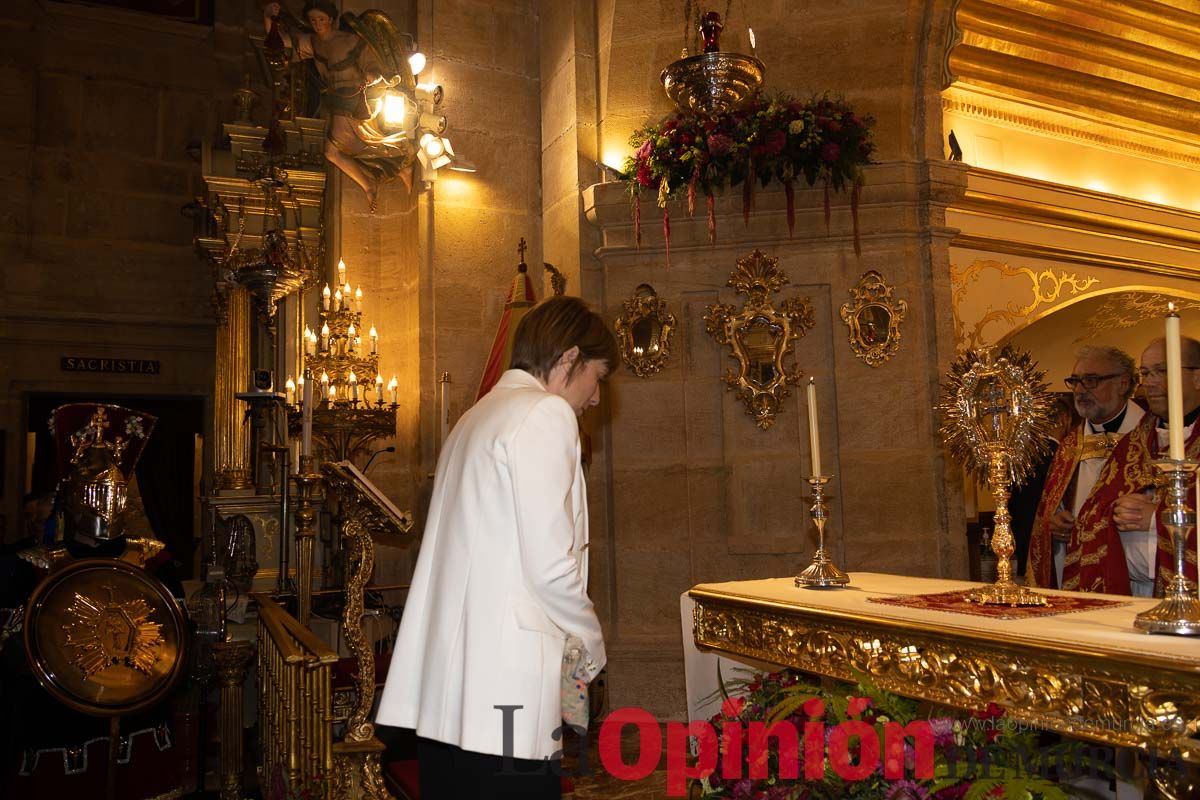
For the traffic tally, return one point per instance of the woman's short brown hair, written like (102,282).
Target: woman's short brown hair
(553,327)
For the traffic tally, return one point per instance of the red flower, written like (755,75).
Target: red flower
(644,175)
(814,707)
(733,706)
(774,142)
(858,705)
(719,144)
(830,152)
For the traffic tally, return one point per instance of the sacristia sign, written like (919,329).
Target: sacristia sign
(133,366)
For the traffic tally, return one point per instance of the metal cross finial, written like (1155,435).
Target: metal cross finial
(521,246)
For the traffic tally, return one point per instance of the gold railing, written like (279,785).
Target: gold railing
(294,699)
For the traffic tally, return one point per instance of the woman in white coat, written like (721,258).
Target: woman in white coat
(501,579)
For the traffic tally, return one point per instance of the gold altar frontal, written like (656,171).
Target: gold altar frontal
(1088,674)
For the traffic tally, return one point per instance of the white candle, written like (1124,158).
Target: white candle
(325,295)
(332,394)
(341,271)
(374,340)
(394,385)
(1174,384)
(324,381)
(814,436)
(353,386)
(378,388)
(326,337)
(306,440)
(337,299)
(351,338)
(291,390)
(357,298)
(310,342)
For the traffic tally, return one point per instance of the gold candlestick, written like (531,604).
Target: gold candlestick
(822,573)
(1004,592)
(1179,611)
(307,480)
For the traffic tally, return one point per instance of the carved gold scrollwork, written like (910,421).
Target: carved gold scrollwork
(1046,287)
(644,332)
(1126,309)
(873,317)
(1118,703)
(760,336)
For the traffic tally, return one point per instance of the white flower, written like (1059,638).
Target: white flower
(796,127)
(133,427)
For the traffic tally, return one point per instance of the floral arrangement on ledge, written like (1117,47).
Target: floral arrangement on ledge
(777,138)
(862,742)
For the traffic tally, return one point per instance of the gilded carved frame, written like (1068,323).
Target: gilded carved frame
(873,317)
(760,381)
(645,316)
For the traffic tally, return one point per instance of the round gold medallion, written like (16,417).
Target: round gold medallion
(104,637)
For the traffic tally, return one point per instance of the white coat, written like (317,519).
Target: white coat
(500,581)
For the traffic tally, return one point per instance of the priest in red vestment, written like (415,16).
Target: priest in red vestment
(1143,510)
(1075,542)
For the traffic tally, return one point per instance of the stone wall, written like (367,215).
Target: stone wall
(685,488)
(100,109)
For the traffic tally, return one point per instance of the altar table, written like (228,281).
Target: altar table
(1088,674)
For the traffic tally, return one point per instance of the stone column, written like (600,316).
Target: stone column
(230,431)
(231,659)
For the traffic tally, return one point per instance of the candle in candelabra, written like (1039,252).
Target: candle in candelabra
(326,336)
(394,388)
(347,292)
(353,386)
(310,342)
(1174,384)
(378,388)
(351,338)
(306,431)
(341,271)
(291,390)
(357,298)
(324,381)
(325,295)
(753,50)
(814,436)
(374,340)
(332,394)
(337,300)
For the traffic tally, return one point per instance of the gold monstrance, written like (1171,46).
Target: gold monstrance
(995,409)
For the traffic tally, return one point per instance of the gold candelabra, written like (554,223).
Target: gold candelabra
(1179,611)
(822,573)
(350,409)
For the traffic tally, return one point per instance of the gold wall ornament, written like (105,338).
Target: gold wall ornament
(996,410)
(1127,309)
(873,317)
(644,331)
(104,637)
(759,336)
(1045,287)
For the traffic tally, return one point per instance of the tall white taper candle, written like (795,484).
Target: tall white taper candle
(814,436)
(1174,384)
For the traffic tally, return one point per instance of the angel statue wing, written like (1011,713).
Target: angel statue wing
(388,44)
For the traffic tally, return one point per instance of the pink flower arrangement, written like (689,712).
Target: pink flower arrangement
(777,138)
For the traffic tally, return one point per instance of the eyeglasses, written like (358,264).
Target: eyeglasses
(1089,382)
(1158,373)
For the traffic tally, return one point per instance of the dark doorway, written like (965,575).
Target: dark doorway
(164,473)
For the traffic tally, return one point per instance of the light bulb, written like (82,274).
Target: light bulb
(416,62)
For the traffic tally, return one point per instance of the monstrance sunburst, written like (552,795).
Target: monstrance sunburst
(996,410)
(112,632)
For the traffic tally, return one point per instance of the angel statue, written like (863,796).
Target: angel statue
(359,63)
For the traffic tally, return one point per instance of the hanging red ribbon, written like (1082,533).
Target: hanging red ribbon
(692,191)
(667,233)
(826,208)
(637,220)
(711,202)
(854,195)
(790,193)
